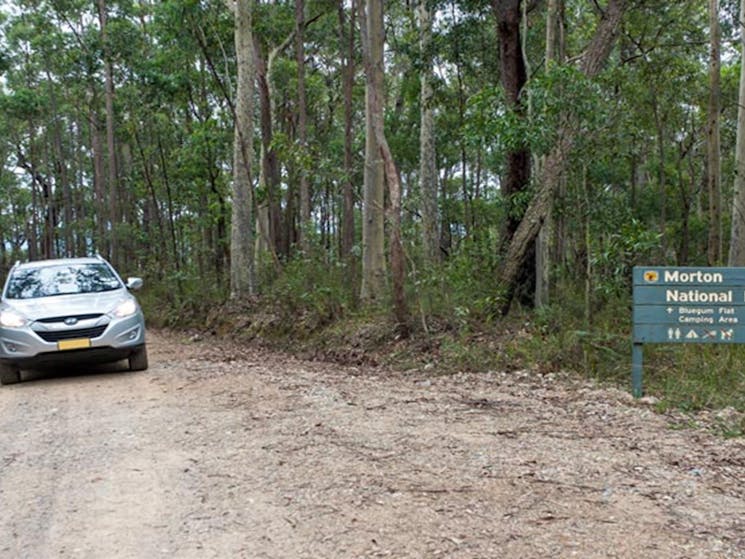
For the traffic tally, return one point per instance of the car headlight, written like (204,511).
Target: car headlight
(11,319)
(127,308)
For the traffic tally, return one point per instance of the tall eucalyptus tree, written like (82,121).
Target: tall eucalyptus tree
(111,144)
(372,31)
(428,162)
(302,124)
(373,205)
(242,278)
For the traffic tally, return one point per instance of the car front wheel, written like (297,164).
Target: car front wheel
(138,360)
(9,374)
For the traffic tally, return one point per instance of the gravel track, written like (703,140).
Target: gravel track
(222,451)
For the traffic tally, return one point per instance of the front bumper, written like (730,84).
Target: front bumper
(121,336)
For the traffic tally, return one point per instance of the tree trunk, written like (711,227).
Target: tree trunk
(268,174)
(60,172)
(373,239)
(113,171)
(546,234)
(686,189)
(372,47)
(241,237)
(514,76)
(302,117)
(660,126)
(99,188)
(737,241)
(347,221)
(714,252)
(592,62)
(517,177)
(427,161)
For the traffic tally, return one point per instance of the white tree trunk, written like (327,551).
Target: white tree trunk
(427,161)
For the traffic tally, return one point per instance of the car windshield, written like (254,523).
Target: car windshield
(63,279)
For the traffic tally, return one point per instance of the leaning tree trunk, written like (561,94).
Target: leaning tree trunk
(737,241)
(596,55)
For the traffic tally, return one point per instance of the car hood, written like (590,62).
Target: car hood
(68,305)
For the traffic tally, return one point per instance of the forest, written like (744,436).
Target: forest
(453,170)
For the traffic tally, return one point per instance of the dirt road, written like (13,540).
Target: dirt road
(224,452)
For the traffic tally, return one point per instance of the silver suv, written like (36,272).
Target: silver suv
(72,310)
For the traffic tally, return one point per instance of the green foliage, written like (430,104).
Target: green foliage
(619,252)
(179,299)
(461,291)
(23,103)
(696,377)
(307,295)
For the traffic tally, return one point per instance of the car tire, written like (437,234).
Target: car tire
(138,360)
(9,374)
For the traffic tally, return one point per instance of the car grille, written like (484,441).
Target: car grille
(77,317)
(94,332)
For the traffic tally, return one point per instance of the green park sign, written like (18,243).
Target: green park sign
(685,305)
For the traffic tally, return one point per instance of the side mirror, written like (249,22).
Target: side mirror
(134,283)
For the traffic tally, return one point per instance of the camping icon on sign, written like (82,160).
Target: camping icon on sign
(651,276)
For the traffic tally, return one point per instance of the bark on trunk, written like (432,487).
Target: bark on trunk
(241,238)
(373,240)
(517,177)
(372,41)
(546,235)
(99,187)
(302,117)
(347,220)
(269,170)
(427,163)
(513,75)
(113,172)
